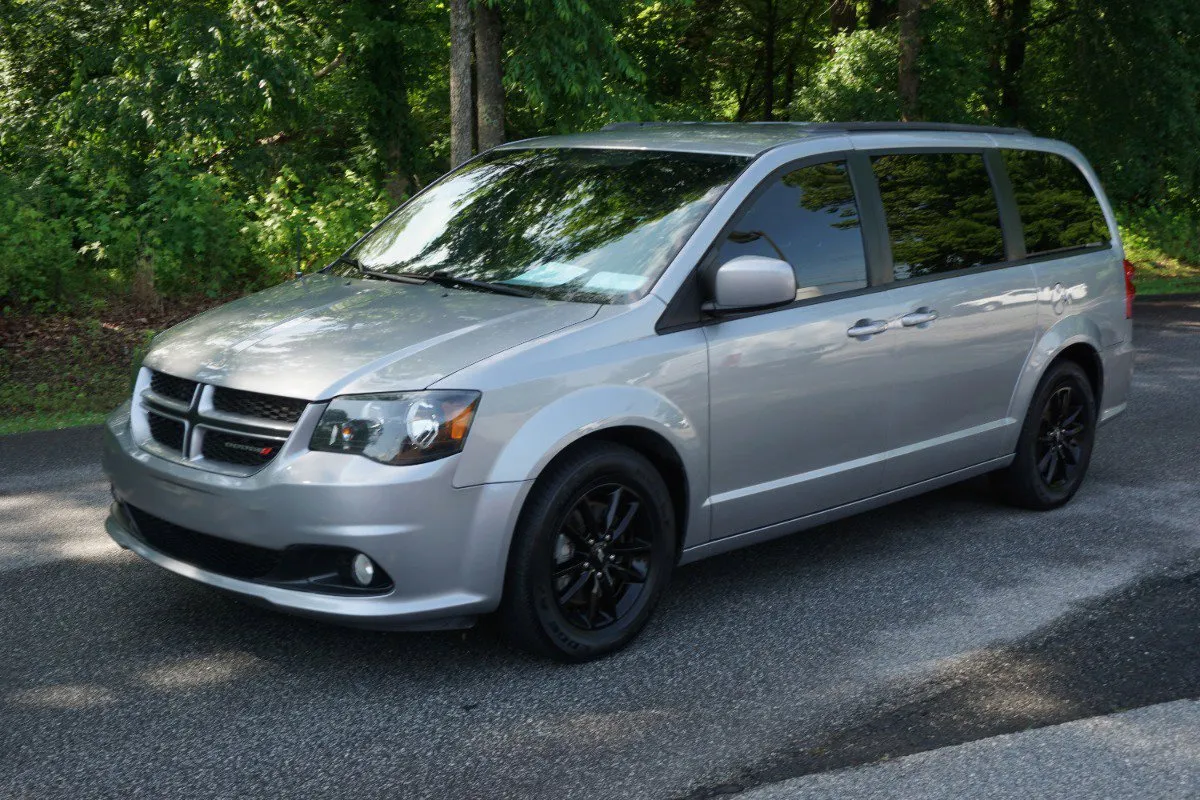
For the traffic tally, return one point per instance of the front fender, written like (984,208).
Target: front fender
(559,424)
(568,419)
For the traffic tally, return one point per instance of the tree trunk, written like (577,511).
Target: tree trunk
(1014,60)
(769,66)
(843,16)
(789,83)
(880,13)
(489,73)
(910,47)
(999,13)
(462,100)
(748,95)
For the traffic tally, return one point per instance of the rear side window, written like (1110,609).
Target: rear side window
(808,218)
(1058,209)
(941,212)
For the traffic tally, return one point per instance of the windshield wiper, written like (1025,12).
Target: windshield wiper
(389,276)
(442,278)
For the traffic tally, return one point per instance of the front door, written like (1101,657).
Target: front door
(799,395)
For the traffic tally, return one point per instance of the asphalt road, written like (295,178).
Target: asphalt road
(818,651)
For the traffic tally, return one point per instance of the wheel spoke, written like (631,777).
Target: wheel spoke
(627,574)
(611,515)
(595,518)
(635,547)
(568,569)
(1071,455)
(593,603)
(1051,467)
(574,588)
(575,528)
(623,525)
(1064,402)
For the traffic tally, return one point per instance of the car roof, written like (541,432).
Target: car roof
(736,138)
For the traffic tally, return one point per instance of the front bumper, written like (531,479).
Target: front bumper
(445,548)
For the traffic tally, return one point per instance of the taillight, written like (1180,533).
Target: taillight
(1130,290)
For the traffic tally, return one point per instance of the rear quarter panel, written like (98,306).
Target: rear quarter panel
(1081,299)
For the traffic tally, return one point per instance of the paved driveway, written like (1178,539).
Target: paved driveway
(118,678)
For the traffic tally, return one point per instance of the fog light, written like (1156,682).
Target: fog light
(363,570)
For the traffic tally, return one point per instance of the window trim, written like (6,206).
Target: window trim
(683,312)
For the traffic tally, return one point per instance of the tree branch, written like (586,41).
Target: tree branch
(280,136)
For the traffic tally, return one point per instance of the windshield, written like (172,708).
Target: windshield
(564,223)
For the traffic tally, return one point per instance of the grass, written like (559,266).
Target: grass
(50,421)
(1164,249)
(1159,274)
(58,371)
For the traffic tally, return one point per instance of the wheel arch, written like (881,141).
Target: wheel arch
(1075,339)
(634,416)
(1088,358)
(657,450)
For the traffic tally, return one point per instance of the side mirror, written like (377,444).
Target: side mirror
(747,283)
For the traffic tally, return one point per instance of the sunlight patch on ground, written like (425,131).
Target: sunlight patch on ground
(65,697)
(41,527)
(210,670)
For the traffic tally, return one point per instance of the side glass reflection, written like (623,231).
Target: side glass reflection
(941,212)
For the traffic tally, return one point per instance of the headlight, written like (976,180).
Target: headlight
(401,428)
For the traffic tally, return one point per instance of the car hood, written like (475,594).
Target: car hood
(319,336)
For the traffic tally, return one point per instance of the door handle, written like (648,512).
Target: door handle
(919,318)
(867,327)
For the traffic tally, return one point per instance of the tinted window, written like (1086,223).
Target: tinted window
(809,219)
(1058,209)
(941,212)
(564,223)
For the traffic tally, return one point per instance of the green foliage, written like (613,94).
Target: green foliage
(566,66)
(856,82)
(1172,232)
(39,263)
(193,144)
(312,225)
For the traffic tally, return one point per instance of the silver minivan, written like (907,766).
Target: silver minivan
(577,362)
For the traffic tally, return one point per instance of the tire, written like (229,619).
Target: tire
(1055,445)
(556,602)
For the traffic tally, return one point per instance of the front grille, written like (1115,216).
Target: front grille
(210,553)
(253,404)
(180,389)
(247,451)
(166,431)
(208,435)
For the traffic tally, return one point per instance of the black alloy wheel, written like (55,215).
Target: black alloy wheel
(602,557)
(1055,444)
(1059,449)
(593,551)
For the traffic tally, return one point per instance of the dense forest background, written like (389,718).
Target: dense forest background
(171,148)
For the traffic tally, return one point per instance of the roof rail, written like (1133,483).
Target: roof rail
(833,127)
